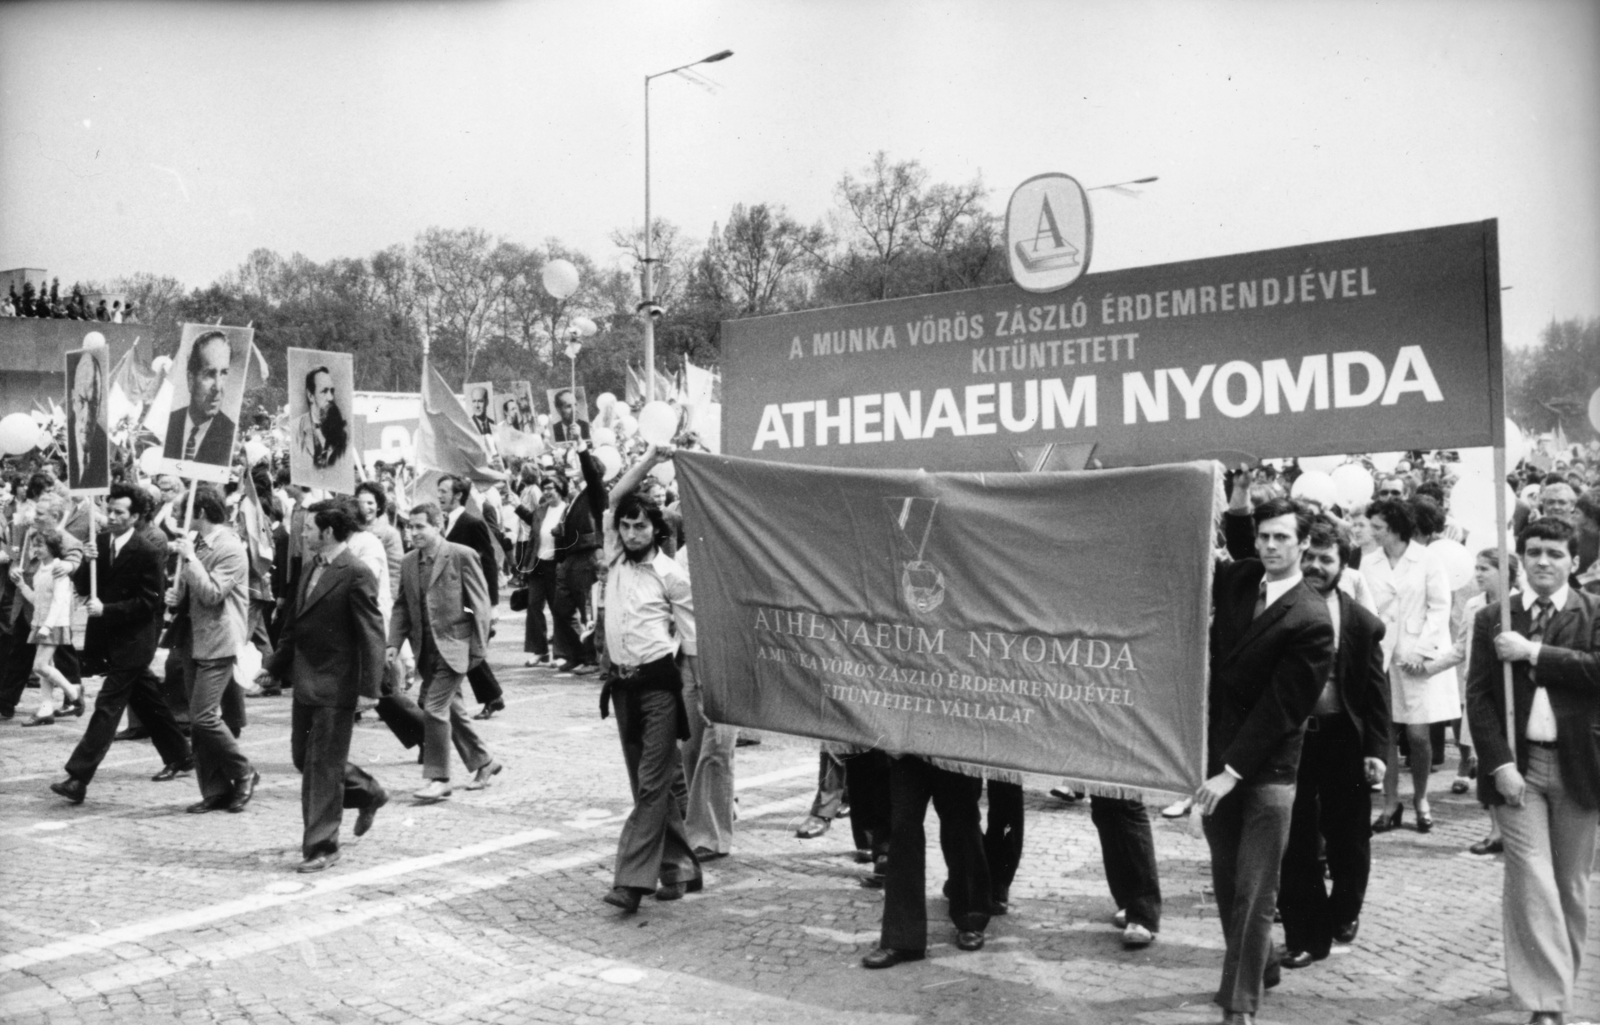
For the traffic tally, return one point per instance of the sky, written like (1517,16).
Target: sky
(176,138)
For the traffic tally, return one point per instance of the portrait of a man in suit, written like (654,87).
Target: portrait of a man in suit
(201,432)
(567,426)
(480,397)
(87,450)
(322,432)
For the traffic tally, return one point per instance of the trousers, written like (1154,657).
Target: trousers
(126,688)
(319,744)
(575,577)
(867,779)
(1128,851)
(912,783)
(653,846)
(708,767)
(1247,834)
(446,723)
(1550,844)
(1332,804)
(1002,833)
(541,580)
(218,762)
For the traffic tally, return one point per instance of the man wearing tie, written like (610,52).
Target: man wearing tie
(330,649)
(463,528)
(201,432)
(1271,649)
(444,612)
(1546,781)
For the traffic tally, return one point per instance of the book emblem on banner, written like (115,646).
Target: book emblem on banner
(1048,233)
(921,582)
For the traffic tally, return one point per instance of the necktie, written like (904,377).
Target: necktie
(1261,601)
(1541,619)
(190,446)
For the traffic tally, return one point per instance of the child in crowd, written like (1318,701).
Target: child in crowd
(52,626)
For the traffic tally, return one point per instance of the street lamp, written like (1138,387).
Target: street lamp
(577,327)
(648,306)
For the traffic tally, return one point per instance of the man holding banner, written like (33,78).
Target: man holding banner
(1271,649)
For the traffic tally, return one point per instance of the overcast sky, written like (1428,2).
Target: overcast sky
(177,137)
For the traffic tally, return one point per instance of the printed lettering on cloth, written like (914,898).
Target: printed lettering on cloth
(1043,622)
(1316,349)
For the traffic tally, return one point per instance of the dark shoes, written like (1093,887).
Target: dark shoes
(39,720)
(1301,959)
(705,854)
(886,957)
(209,804)
(173,770)
(1000,901)
(1547,1018)
(970,939)
(625,897)
(1488,846)
(1346,933)
(488,711)
(675,891)
(132,733)
(1066,796)
(1390,820)
(318,862)
(880,872)
(71,788)
(813,827)
(365,816)
(243,791)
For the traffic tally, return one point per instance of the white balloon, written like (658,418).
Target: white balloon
(664,471)
(18,434)
(94,340)
(150,460)
(628,425)
(1455,559)
(255,452)
(1354,485)
(658,422)
(543,421)
(1320,464)
(1516,445)
(1594,410)
(161,364)
(603,436)
(1316,487)
(1385,462)
(610,461)
(560,278)
(605,400)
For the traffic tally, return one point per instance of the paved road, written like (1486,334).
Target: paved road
(486,908)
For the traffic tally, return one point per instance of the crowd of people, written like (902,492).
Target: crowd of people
(49,305)
(1342,650)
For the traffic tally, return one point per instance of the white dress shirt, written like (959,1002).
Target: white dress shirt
(1541,717)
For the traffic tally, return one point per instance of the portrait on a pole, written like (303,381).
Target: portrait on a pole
(480,403)
(321,403)
(516,408)
(569,414)
(88,427)
(208,376)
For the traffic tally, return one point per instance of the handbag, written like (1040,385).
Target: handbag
(519,600)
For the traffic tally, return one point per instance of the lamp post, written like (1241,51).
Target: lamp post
(647,306)
(578,327)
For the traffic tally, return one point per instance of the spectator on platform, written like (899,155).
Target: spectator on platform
(100,311)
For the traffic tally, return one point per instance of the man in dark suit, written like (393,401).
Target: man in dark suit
(124,628)
(1544,779)
(443,612)
(1342,757)
(331,650)
(463,528)
(87,450)
(1271,648)
(201,432)
(578,541)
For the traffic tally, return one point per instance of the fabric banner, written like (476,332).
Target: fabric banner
(1319,349)
(1044,622)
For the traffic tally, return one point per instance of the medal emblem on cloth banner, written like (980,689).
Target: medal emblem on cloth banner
(920,581)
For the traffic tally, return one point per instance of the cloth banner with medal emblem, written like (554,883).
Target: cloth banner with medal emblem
(1042,622)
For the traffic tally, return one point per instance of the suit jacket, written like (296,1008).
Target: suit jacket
(579,530)
(1359,676)
(475,534)
(1568,669)
(561,432)
(330,646)
(216,448)
(1266,673)
(453,601)
(95,472)
(131,588)
(216,584)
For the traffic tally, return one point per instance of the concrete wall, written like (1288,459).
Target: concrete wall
(33,356)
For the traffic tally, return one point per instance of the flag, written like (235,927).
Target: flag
(133,386)
(517,444)
(256,372)
(700,386)
(446,439)
(634,392)
(256,528)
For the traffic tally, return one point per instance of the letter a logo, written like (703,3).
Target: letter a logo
(1048,233)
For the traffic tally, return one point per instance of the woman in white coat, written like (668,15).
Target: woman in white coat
(1412,593)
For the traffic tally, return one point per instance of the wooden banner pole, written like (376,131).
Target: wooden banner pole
(1501,516)
(94,564)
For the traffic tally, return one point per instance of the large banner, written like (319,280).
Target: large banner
(1050,622)
(322,432)
(1351,346)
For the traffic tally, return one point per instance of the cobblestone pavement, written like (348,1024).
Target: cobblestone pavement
(486,908)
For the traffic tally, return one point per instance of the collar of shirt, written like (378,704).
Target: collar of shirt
(332,552)
(451,517)
(120,541)
(1558,601)
(1278,588)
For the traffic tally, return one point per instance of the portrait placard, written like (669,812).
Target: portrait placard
(569,414)
(323,438)
(516,408)
(208,378)
(88,422)
(480,403)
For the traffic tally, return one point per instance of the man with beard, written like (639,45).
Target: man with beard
(201,432)
(321,432)
(1342,757)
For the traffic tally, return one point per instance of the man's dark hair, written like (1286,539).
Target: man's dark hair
(1552,478)
(208,504)
(311,379)
(1547,529)
(373,488)
(196,361)
(568,393)
(1396,515)
(458,487)
(38,484)
(431,510)
(138,501)
(335,514)
(636,504)
(1589,504)
(1427,517)
(1432,489)
(1327,534)
(1275,507)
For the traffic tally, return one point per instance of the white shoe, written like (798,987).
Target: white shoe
(436,790)
(1136,936)
(1177,809)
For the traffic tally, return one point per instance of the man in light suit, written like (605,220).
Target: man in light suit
(201,432)
(1271,649)
(1547,785)
(331,649)
(463,528)
(214,580)
(444,612)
